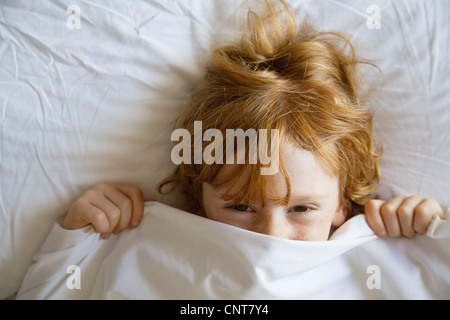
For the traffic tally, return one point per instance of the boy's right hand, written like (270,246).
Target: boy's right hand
(109,207)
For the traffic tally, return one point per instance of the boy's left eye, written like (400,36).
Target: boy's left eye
(301,209)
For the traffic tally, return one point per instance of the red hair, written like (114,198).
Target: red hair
(298,80)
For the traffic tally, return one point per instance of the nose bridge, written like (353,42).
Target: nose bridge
(274,224)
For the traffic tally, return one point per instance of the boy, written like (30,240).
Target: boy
(302,84)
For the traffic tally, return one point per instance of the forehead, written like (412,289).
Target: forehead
(303,166)
(307,175)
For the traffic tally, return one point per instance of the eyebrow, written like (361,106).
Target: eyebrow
(307,197)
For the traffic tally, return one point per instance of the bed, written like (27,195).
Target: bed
(89,90)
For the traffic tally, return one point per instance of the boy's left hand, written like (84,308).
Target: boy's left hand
(401,216)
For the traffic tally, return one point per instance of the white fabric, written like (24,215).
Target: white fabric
(96,104)
(177,255)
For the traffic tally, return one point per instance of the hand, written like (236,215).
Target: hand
(109,207)
(401,216)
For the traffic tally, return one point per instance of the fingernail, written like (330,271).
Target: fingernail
(134,224)
(381,234)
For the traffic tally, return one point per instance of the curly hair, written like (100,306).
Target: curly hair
(298,80)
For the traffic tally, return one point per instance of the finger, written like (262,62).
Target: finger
(98,219)
(84,213)
(373,217)
(405,213)
(110,210)
(137,202)
(389,215)
(77,216)
(424,214)
(125,205)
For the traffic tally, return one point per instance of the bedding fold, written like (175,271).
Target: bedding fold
(177,255)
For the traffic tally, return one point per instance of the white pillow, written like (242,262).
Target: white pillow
(96,104)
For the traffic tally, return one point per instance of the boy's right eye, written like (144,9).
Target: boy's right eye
(240,207)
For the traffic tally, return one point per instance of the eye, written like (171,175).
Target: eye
(302,208)
(240,207)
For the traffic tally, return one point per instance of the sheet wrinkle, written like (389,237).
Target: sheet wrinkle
(161,7)
(127,18)
(94,69)
(433,54)
(58,88)
(4,48)
(47,175)
(350,8)
(141,24)
(16,65)
(42,115)
(93,120)
(31,15)
(29,39)
(431,31)
(439,229)
(194,20)
(4,112)
(152,86)
(47,51)
(413,58)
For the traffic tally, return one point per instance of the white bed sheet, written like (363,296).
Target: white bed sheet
(81,106)
(177,255)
